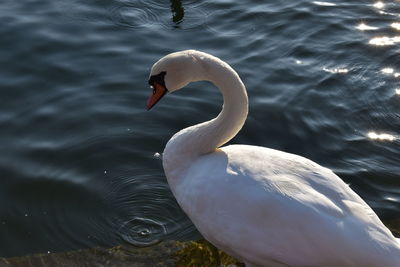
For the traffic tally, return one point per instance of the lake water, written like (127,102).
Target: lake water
(78,165)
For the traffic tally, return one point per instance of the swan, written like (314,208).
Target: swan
(262,206)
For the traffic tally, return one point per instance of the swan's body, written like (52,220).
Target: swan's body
(262,206)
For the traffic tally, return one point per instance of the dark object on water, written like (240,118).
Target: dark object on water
(177,11)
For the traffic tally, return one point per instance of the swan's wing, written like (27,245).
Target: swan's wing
(265,202)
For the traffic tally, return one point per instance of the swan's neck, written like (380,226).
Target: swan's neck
(206,137)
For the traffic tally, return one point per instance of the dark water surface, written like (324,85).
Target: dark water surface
(78,166)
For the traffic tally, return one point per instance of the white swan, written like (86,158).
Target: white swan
(262,206)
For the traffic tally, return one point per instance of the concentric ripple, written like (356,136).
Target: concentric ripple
(167,15)
(143,232)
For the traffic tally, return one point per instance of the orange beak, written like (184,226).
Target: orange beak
(158,92)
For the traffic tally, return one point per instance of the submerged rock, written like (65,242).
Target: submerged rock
(169,253)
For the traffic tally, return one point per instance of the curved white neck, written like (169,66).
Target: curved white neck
(205,137)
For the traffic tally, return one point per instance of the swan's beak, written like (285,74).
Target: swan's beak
(158,92)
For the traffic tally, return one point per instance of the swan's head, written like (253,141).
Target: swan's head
(173,72)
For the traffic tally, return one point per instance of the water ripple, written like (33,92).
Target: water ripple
(151,13)
(79,166)
(142,232)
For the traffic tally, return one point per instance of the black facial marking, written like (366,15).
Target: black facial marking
(159,78)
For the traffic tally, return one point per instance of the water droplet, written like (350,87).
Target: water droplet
(142,232)
(157,155)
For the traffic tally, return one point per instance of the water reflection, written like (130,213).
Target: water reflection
(387,70)
(365,27)
(381,136)
(379,5)
(395,25)
(335,70)
(177,11)
(397,91)
(384,40)
(324,3)
(390,71)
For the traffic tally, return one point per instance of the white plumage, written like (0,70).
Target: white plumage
(262,206)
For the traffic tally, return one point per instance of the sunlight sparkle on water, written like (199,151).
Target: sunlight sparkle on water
(381,136)
(365,27)
(387,71)
(396,25)
(397,91)
(336,70)
(390,71)
(384,40)
(392,199)
(324,3)
(379,5)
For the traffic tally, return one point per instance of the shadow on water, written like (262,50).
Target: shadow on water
(177,12)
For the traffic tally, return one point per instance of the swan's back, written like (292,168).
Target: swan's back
(261,204)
